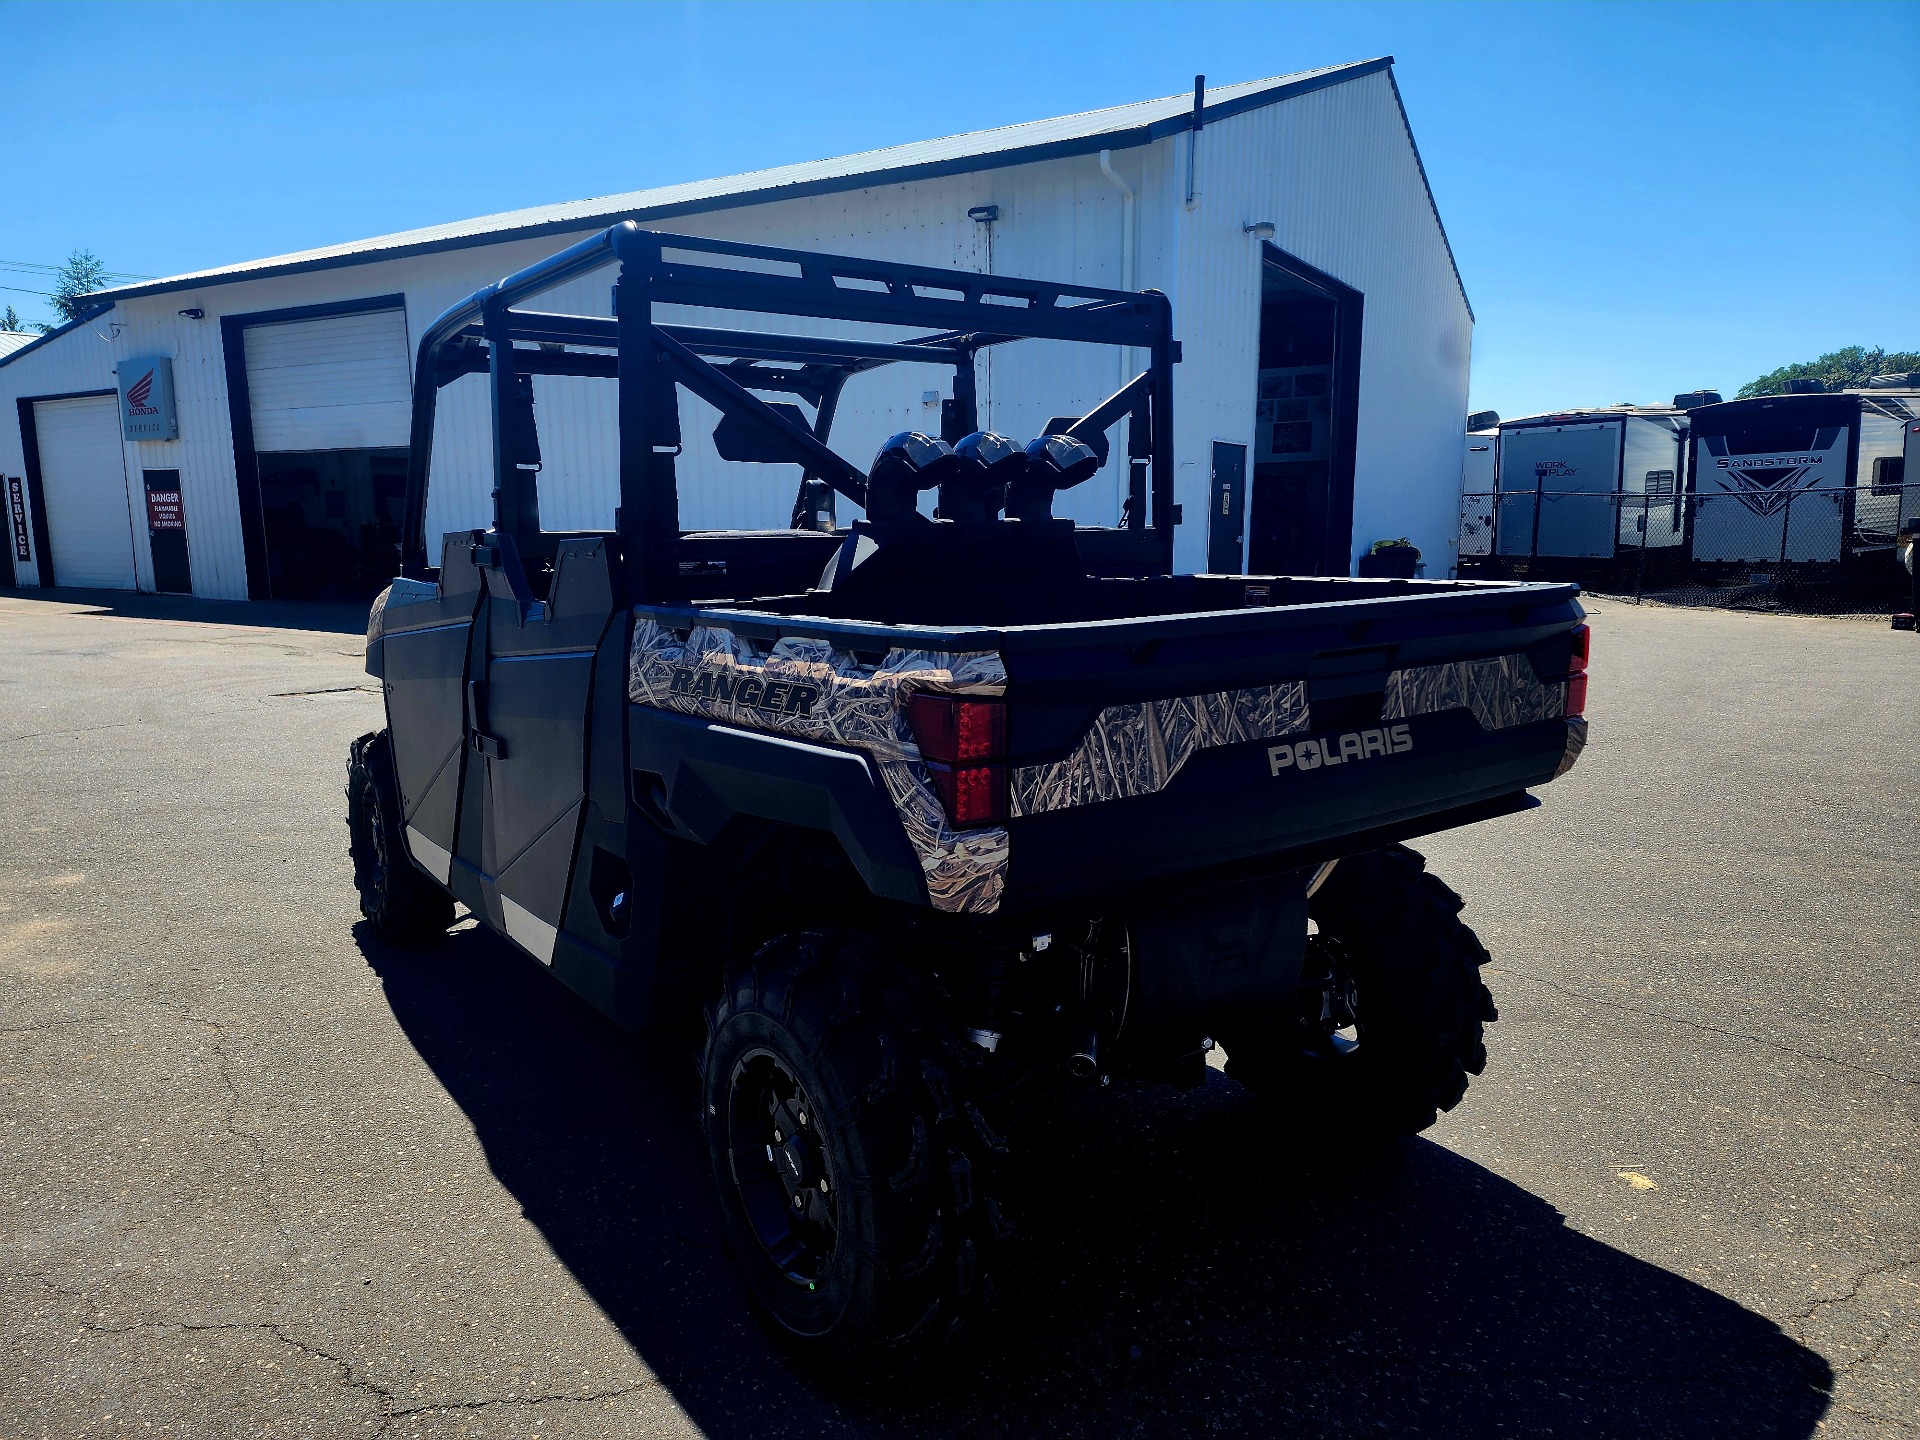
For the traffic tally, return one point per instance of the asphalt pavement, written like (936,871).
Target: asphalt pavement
(261,1175)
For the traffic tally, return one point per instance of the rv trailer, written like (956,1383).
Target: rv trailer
(1810,477)
(1579,489)
(1476,488)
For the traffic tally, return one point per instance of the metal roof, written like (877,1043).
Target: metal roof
(12,340)
(1580,414)
(1117,128)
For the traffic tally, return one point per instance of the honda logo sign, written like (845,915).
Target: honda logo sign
(146,400)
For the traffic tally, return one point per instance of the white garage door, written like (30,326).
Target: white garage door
(83,479)
(340,383)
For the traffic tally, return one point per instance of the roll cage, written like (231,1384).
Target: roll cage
(733,369)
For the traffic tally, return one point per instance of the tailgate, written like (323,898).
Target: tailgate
(1151,748)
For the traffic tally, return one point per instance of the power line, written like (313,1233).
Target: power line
(40,269)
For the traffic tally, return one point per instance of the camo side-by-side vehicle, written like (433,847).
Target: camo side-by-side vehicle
(927,817)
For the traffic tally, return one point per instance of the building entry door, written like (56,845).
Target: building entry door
(1304,421)
(1227,511)
(167,533)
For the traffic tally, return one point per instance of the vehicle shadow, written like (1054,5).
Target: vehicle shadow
(330,617)
(1181,1269)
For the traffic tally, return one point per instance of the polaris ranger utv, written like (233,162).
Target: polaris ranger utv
(928,816)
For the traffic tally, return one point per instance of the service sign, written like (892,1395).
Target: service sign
(146,399)
(17,505)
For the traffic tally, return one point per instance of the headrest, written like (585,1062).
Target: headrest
(907,464)
(1054,462)
(984,465)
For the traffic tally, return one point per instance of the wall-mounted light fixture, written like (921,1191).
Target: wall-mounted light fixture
(196,313)
(1261,228)
(985,214)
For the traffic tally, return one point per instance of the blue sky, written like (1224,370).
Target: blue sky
(1643,198)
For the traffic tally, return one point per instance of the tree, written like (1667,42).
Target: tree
(78,278)
(10,320)
(1845,369)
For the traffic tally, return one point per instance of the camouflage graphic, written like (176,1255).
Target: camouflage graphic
(811,691)
(1502,692)
(377,614)
(1576,742)
(1136,749)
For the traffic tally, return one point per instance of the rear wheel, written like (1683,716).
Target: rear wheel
(852,1171)
(1391,1013)
(399,899)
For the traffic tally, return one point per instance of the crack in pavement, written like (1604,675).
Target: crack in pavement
(528,1400)
(36,1028)
(1812,1055)
(269,1327)
(391,1411)
(230,1118)
(1873,1349)
(81,730)
(1872,1272)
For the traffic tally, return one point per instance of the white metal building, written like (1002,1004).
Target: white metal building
(1318,407)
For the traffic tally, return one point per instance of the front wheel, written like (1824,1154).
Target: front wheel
(1391,1011)
(402,903)
(851,1168)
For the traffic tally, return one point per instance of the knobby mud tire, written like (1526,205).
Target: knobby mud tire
(918,1222)
(1421,1004)
(402,903)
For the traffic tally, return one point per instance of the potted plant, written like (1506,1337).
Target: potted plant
(1390,560)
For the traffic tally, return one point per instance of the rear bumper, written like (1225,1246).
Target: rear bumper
(1238,805)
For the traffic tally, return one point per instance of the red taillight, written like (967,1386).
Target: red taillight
(972,794)
(963,740)
(1577,671)
(956,730)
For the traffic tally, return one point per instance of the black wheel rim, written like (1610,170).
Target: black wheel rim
(781,1172)
(1331,1024)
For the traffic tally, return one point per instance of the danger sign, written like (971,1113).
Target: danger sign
(164,511)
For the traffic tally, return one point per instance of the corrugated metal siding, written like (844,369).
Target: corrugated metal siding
(1332,169)
(81,359)
(1335,173)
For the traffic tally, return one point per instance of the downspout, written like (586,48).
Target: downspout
(1193,137)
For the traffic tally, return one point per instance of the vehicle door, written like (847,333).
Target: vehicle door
(428,629)
(527,719)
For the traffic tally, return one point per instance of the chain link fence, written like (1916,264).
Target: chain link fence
(1829,550)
